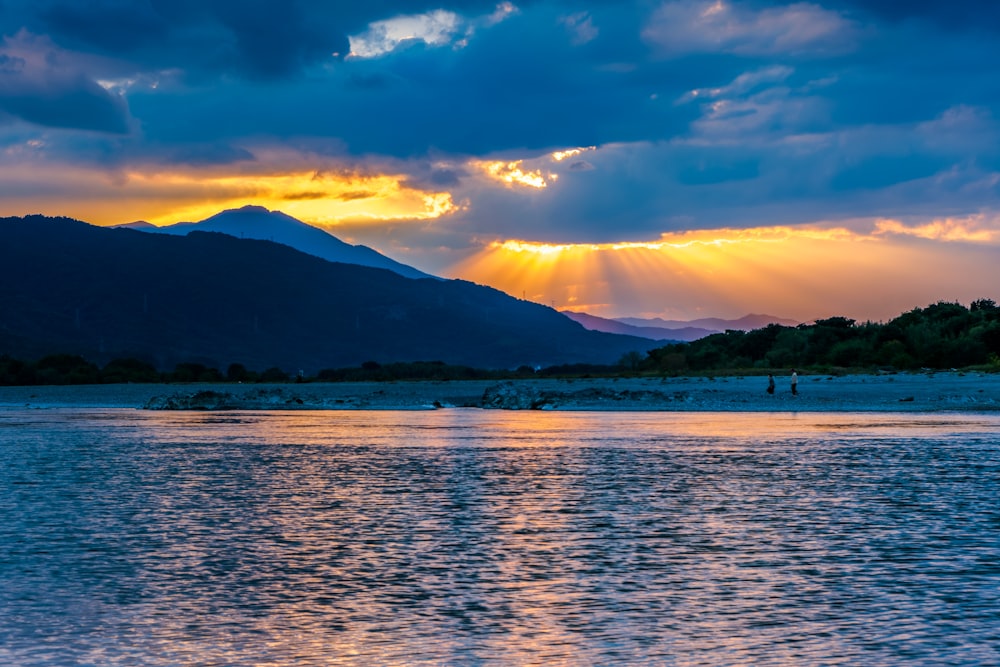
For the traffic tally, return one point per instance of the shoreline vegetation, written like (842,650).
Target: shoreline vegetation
(943,336)
(943,357)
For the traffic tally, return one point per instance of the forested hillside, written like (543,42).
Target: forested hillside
(942,335)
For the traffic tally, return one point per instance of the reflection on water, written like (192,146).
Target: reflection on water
(461,537)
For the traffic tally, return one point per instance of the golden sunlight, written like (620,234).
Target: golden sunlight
(802,273)
(528,173)
(163,197)
(559,156)
(324,199)
(512,173)
(974,229)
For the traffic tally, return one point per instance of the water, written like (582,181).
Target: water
(465,537)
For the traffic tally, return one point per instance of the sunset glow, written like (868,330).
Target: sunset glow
(976,229)
(513,173)
(805,272)
(559,156)
(321,198)
(680,157)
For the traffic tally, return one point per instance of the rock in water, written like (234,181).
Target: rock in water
(509,396)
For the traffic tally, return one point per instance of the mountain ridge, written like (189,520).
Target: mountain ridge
(70,287)
(673,330)
(745,323)
(257,222)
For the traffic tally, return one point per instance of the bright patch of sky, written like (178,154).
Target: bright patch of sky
(436,28)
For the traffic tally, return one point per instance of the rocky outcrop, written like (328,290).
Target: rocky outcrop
(256,399)
(512,396)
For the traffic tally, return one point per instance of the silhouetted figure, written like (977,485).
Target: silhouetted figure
(795,383)
(770,383)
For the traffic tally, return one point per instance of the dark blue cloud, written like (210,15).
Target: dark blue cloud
(66,101)
(708,171)
(880,171)
(109,27)
(970,16)
(518,85)
(205,154)
(767,128)
(259,39)
(525,83)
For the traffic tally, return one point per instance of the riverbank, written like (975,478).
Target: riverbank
(902,392)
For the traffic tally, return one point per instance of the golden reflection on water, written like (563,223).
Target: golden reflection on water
(534,428)
(502,538)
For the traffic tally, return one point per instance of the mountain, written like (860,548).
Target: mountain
(594,323)
(256,222)
(674,330)
(66,286)
(745,323)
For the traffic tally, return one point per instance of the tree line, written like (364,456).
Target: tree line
(71,369)
(941,336)
(64,369)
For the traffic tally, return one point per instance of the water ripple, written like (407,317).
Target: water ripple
(470,538)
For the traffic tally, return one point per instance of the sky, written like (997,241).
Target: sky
(675,159)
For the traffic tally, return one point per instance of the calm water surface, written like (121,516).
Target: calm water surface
(465,537)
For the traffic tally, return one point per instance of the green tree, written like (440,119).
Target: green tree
(66,369)
(631,361)
(274,374)
(195,372)
(16,373)
(237,373)
(119,371)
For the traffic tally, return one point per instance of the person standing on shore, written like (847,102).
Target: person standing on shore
(795,383)
(770,383)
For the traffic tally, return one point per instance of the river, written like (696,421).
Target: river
(470,537)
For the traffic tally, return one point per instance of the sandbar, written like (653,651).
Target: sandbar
(883,392)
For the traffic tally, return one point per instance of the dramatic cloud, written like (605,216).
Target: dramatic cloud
(455,132)
(974,229)
(715,26)
(437,28)
(41,84)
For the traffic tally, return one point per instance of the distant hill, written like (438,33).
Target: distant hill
(674,330)
(679,334)
(715,324)
(66,286)
(256,222)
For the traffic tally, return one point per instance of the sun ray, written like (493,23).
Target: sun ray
(804,273)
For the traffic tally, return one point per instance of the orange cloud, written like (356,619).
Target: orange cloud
(531,173)
(974,229)
(803,273)
(514,173)
(167,196)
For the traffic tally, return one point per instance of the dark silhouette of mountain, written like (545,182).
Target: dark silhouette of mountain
(715,324)
(674,330)
(681,334)
(256,222)
(66,286)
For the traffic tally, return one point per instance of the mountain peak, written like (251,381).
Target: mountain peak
(257,222)
(253,211)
